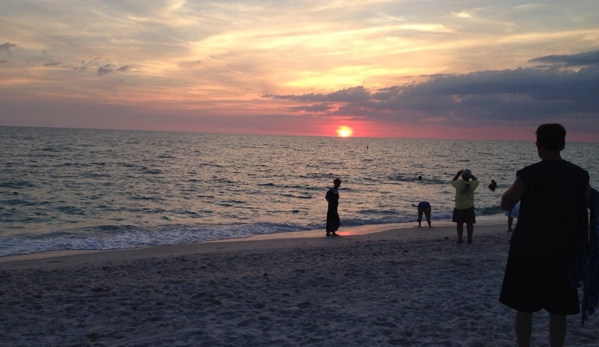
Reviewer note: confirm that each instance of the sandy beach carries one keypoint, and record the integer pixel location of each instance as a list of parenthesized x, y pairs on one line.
[(400, 287)]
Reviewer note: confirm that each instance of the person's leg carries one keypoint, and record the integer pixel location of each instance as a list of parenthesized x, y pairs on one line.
[(427, 213), (330, 221), (523, 328), (563, 300), (557, 329), (337, 224), (419, 216), (510, 220), (470, 228), (460, 229)]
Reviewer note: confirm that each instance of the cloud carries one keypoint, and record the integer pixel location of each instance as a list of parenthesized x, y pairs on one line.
[(462, 14), (322, 107), (5, 47), (353, 94), (523, 94), (581, 59), (107, 69), (85, 64)]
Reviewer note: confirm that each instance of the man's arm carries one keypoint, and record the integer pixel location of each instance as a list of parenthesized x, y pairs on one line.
[(587, 197), (510, 198), (457, 175)]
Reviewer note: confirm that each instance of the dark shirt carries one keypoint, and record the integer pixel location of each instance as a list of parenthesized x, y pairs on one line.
[(553, 213), (424, 205), (333, 199)]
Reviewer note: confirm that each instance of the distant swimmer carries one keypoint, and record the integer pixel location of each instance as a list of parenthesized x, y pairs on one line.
[(492, 185), (424, 207), (333, 220)]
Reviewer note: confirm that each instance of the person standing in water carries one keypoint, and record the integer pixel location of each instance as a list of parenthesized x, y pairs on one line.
[(493, 185), (333, 220)]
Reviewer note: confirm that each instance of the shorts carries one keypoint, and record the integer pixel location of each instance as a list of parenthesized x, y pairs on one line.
[(514, 212), (530, 285), (464, 216)]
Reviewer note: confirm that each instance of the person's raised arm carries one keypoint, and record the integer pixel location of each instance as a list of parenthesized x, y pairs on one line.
[(457, 175), (511, 196)]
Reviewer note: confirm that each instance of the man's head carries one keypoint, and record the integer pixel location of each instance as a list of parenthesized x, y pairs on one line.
[(466, 174), (551, 136), (337, 182)]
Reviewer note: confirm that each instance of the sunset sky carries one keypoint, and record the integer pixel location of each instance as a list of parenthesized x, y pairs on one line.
[(431, 69)]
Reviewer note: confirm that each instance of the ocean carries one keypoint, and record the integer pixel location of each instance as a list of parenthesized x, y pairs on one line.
[(81, 189)]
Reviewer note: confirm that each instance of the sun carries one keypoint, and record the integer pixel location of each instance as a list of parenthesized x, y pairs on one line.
[(344, 131)]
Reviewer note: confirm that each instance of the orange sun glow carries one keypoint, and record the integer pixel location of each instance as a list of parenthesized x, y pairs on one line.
[(345, 131)]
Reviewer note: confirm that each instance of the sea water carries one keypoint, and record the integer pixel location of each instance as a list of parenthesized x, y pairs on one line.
[(77, 189)]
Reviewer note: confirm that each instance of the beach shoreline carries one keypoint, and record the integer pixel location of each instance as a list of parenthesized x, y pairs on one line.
[(404, 231), (402, 286)]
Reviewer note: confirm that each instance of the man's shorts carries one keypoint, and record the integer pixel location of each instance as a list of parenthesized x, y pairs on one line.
[(464, 216), (530, 285)]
